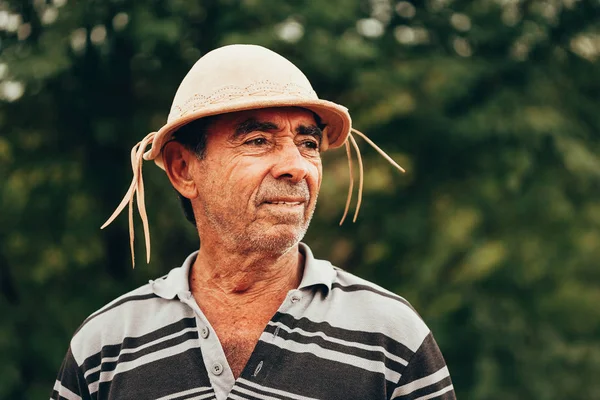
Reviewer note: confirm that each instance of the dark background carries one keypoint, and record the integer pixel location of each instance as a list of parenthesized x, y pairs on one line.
[(492, 106)]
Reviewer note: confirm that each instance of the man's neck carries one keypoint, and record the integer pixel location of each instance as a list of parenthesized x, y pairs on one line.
[(243, 278), (240, 293)]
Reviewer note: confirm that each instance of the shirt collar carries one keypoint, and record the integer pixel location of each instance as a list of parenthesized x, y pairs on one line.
[(176, 281), (316, 272)]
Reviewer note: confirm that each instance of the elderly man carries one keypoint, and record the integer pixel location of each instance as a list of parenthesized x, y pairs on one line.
[(252, 314)]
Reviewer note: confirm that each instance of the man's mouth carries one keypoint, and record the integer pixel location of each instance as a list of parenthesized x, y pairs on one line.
[(286, 202)]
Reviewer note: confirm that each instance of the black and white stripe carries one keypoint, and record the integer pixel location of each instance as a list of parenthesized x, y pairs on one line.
[(428, 376), (340, 346), (248, 390), (199, 393), (60, 392), (133, 352), (435, 384)]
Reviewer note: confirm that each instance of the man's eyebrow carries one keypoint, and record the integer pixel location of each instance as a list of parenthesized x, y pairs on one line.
[(251, 125), (311, 130)]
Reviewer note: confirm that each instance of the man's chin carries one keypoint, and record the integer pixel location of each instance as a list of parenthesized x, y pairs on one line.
[(278, 238), (271, 214)]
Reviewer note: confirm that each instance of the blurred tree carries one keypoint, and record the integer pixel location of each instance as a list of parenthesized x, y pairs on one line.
[(493, 234)]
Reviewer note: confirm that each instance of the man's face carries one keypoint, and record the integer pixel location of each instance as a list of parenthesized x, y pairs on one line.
[(259, 181)]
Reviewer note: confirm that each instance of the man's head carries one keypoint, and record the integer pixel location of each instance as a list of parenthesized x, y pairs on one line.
[(276, 194), (254, 184)]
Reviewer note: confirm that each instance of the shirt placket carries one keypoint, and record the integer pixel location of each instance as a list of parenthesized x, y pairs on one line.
[(213, 356), (264, 358)]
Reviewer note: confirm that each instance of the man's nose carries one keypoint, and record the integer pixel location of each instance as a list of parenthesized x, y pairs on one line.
[(290, 164)]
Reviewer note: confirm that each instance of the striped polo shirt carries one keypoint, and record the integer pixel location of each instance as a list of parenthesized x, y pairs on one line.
[(335, 337)]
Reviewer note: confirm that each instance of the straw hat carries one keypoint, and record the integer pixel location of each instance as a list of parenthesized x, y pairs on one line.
[(244, 77), (235, 78)]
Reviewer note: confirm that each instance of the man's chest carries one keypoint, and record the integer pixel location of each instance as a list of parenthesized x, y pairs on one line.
[(271, 352), (238, 340), (287, 356), (238, 328)]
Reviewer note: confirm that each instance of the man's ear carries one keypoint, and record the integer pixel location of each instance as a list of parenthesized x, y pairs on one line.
[(178, 162)]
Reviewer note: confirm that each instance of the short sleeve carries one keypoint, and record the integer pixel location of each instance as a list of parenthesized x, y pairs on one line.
[(426, 376), (70, 383)]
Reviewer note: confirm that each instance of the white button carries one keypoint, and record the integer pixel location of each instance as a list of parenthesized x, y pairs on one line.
[(258, 368), (296, 298), (217, 369), (204, 332)]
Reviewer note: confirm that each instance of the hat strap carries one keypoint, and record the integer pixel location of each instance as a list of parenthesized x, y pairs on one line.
[(383, 153), (347, 143), (137, 186)]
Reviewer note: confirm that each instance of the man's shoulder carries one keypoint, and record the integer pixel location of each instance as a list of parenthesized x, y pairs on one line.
[(349, 283), (121, 305), (134, 314), (370, 305)]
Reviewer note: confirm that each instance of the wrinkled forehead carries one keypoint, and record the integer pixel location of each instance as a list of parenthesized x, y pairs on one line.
[(279, 116)]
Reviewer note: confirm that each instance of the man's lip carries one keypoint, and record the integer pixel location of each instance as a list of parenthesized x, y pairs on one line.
[(290, 201)]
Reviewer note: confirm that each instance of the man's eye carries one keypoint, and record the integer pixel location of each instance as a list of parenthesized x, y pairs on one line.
[(310, 144), (256, 142)]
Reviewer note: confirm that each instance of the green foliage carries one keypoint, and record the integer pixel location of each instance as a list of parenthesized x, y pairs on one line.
[(492, 106)]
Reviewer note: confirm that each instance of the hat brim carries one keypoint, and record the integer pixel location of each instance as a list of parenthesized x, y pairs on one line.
[(335, 116)]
